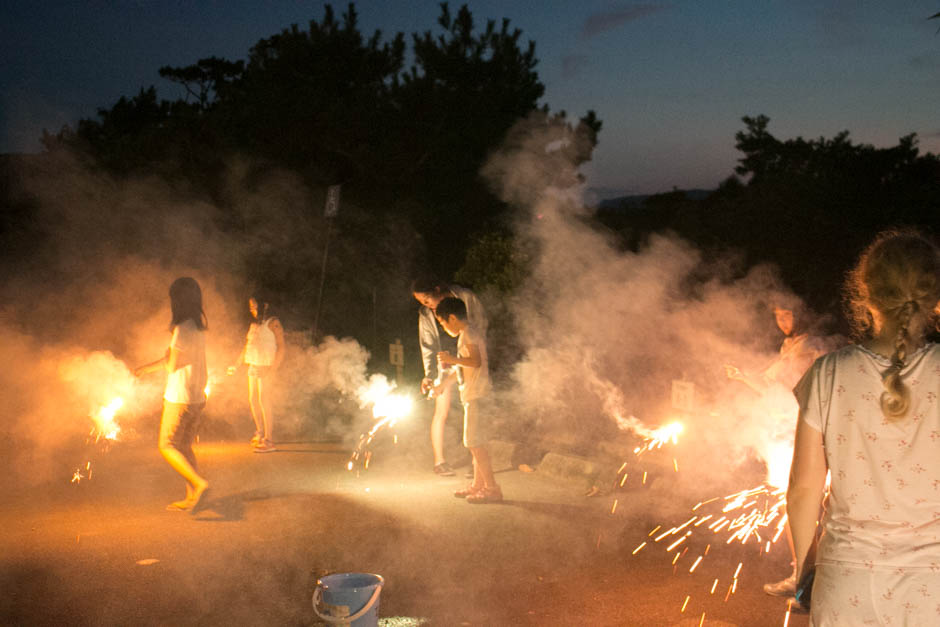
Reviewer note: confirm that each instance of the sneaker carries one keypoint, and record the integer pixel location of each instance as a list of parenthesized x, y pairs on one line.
[(486, 495), (265, 446), (444, 470), (783, 588), (466, 492)]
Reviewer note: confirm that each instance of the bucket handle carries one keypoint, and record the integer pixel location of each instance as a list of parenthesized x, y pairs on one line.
[(345, 619)]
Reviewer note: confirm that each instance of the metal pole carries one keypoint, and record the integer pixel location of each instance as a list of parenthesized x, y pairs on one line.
[(326, 252)]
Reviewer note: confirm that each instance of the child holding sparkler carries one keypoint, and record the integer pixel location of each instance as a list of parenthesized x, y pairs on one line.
[(870, 417), (471, 360), (184, 396), (797, 353), (263, 353), (429, 292)]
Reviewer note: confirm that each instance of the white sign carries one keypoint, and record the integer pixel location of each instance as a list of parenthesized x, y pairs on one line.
[(396, 353), (332, 201)]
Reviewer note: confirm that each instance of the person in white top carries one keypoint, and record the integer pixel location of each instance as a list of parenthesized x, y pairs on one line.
[(429, 292), (797, 353), (472, 372), (263, 353), (184, 396), (870, 418)]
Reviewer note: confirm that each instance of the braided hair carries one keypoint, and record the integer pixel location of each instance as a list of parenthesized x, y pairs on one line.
[(896, 279)]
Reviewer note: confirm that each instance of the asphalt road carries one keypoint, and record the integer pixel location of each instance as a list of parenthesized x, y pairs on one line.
[(105, 552)]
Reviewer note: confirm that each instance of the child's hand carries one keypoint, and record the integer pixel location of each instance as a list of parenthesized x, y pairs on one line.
[(446, 359)]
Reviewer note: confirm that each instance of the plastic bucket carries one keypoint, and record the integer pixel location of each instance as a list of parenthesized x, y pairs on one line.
[(348, 599)]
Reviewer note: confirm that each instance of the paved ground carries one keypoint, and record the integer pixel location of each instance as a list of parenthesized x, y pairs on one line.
[(104, 551)]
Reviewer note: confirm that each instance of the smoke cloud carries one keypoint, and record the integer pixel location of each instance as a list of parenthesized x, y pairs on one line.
[(605, 331), (89, 301)]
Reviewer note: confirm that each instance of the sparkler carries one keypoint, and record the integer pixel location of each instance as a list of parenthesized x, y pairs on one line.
[(755, 516)]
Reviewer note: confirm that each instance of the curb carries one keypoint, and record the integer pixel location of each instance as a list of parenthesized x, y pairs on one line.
[(570, 467)]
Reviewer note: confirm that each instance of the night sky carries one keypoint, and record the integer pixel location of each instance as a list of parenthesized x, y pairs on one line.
[(669, 80)]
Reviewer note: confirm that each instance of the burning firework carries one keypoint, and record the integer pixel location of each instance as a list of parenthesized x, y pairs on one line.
[(105, 425), (387, 409), (105, 429)]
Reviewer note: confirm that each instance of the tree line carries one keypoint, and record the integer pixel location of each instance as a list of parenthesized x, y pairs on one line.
[(405, 125)]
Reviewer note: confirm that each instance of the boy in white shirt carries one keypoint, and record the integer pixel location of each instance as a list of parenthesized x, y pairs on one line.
[(472, 363)]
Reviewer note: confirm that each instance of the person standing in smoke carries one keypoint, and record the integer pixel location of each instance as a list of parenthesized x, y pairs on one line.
[(263, 353), (184, 396), (797, 353), (429, 292), (870, 419), (472, 370)]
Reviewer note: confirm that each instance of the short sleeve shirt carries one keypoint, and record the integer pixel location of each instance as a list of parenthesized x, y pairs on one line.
[(884, 502), (187, 384), (476, 381)]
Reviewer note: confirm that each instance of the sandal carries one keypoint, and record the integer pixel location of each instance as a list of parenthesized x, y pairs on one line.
[(486, 495), (265, 446), (466, 492), (444, 470)]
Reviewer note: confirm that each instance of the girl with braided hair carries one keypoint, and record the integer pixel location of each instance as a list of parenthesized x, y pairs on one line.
[(870, 418)]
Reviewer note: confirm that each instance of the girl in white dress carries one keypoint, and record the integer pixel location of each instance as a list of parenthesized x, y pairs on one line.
[(870, 417)]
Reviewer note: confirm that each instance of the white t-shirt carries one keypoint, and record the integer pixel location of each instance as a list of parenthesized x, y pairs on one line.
[(884, 504), (260, 344), (476, 381), (187, 384)]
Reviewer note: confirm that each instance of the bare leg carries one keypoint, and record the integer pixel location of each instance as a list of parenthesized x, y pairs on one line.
[(183, 463), (267, 418), (482, 468), (441, 407), (254, 401), (789, 535)]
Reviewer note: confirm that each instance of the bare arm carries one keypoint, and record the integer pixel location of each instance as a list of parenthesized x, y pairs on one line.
[(473, 360), (167, 363), (278, 330), (806, 489)]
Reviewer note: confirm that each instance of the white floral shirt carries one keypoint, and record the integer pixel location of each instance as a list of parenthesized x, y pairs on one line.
[(884, 502)]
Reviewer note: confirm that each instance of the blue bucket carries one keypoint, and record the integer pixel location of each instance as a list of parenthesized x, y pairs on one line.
[(348, 599)]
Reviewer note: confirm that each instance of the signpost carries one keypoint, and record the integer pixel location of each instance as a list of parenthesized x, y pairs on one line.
[(396, 356), (329, 212)]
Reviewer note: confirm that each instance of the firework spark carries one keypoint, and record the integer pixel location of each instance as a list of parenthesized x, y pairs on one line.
[(387, 409)]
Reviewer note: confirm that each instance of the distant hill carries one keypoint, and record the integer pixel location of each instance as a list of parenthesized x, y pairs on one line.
[(629, 202)]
